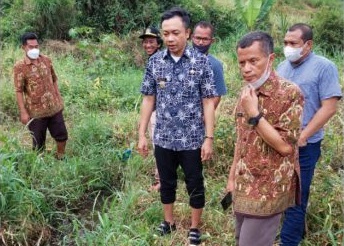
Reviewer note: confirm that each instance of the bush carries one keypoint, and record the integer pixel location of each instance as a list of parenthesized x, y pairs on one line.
[(48, 18), (328, 29)]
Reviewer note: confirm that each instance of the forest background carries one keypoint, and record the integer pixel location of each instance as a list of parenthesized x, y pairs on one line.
[(99, 194)]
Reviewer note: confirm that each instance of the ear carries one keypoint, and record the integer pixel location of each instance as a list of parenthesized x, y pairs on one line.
[(188, 33), (272, 58)]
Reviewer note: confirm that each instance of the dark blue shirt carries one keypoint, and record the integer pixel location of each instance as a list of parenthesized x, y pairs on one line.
[(218, 75), (179, 88)]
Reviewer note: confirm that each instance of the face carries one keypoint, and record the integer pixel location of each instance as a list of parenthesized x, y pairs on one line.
[(30, 44), (293, 39), (150, 45), (202, 36), (253, 62), (175, 35)]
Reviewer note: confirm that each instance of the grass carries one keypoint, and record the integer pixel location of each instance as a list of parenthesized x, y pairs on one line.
[(99, 194)]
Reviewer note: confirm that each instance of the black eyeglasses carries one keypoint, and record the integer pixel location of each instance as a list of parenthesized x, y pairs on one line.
[(199, 39)]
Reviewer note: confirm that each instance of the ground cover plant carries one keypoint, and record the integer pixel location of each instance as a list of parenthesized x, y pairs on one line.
[(99, 194)]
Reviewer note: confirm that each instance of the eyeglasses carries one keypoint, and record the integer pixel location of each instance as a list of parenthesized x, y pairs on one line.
[(199, 39)]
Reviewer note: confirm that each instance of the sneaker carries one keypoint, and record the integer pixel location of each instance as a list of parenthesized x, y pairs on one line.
[(194, 236), (166, 228)]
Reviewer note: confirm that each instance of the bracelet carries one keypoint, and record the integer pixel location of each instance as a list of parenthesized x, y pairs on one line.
[(212, 138)]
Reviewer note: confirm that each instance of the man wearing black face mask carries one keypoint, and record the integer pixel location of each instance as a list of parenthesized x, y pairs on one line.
[(202, 38)]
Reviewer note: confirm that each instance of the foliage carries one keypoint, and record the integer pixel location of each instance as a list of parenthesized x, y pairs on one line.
[(253, 11), (328, 29), (48, 18), (99, 194)]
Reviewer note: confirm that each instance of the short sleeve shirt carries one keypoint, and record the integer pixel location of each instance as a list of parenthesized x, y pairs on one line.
[(179, 88), (318, 79), (266, 182), (36, 82), (217, 67)]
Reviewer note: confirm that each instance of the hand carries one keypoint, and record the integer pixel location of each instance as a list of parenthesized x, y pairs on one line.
[(230, 185), (302, 142), (249, 101), (207, 149), (24, 117), (143, 146)]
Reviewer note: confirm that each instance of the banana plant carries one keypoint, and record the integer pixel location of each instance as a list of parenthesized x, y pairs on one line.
[(253, 11)]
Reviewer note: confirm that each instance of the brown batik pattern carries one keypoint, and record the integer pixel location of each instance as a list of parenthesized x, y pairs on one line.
[(36, 82), (266, 182)]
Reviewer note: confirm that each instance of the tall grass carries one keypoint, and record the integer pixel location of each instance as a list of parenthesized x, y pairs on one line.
[(99, 194)]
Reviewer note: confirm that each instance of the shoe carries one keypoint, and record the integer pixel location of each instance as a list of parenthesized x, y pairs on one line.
[(194, 236), (166, 228)]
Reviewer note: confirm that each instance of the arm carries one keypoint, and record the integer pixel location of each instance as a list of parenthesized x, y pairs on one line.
[(207, 147), (322, 116), (18, 85), (147, 108), (266, 131), (231, 177), (216, 101), (24, 115)]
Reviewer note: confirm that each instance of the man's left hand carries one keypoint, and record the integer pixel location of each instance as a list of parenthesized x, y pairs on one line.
[(207, 149)]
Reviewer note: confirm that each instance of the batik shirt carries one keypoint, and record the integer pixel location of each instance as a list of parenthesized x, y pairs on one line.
[(179, 88), (36, 82), (266, 182)]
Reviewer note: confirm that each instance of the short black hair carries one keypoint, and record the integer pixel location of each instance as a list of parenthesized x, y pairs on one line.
[(265, 40), (28, 36), (177, 11), (307, 33), (206, 24)]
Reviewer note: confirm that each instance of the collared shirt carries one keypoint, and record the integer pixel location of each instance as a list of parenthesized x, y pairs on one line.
[(318, 79), (179, 88), (36, 82), (266, 182), (217, 67)]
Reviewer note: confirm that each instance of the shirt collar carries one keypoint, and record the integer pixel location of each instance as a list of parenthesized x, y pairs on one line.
[(294, 65), (270, 85), (186, 53), (28, 61)]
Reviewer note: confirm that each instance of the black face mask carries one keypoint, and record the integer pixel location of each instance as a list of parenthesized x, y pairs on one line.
[(203, 49)]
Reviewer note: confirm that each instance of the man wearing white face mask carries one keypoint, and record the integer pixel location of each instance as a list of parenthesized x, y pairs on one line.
[(264, 174), (38, 97), (319, 82)]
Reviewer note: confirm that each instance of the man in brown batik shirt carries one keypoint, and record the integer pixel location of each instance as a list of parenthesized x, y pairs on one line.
[(264, 176), (38, 96)]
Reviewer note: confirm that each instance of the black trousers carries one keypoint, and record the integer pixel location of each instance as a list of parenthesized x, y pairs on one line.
[(190, 161)]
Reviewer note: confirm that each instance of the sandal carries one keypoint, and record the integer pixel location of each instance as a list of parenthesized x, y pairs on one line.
[(166, 228)]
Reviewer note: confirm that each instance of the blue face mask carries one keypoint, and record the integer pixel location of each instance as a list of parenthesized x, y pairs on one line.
[(202, 48)]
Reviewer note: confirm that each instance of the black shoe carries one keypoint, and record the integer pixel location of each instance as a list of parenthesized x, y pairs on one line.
[(166, 228), (194, 236)]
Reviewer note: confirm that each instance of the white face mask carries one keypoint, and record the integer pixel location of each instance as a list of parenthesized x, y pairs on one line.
[(33, 53), (259, 82), (292, 54)]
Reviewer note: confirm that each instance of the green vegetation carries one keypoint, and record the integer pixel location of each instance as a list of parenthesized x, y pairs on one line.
[(99, 194)]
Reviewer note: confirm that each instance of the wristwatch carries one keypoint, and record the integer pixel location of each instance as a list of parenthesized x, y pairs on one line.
[(253, 121)]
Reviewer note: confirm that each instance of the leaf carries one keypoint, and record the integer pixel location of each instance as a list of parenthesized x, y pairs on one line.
[(251, 12), (265, 9)]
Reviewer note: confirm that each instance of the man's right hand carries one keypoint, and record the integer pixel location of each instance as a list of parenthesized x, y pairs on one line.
[(24, 117), (143, 146)]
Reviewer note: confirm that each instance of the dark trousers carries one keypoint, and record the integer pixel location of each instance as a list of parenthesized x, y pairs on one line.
[(294, 217), (190, 161), (56, 126)]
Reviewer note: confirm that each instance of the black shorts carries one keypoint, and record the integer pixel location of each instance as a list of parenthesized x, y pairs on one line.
[(190, 161), (56, 126)]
